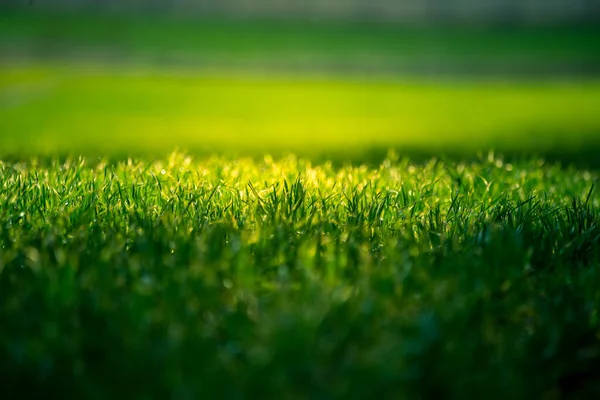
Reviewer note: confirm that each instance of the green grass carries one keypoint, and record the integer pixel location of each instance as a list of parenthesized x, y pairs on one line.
[(334, 272), (237, 278), (65, 109)]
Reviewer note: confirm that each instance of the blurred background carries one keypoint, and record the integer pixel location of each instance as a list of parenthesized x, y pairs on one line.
[(344, 79), (470, 11)]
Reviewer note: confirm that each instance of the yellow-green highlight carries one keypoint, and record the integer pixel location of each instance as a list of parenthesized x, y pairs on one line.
[(74, 110)]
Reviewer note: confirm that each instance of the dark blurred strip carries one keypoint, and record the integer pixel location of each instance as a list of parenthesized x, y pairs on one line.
[(301, 45)]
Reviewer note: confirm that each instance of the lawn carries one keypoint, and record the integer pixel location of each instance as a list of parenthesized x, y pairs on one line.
[(244, 218), (239, 278)]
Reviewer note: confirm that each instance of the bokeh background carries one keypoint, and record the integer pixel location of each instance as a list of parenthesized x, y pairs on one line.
[(335, 79), (469, 11)]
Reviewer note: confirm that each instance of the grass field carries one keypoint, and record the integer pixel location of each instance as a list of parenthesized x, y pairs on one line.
[(240, 278), (230, 224)]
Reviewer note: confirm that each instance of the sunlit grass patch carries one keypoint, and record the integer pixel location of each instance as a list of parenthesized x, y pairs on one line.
[(205, 276)]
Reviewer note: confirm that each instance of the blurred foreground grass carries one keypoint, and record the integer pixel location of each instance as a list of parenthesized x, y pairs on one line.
[(66, 109)]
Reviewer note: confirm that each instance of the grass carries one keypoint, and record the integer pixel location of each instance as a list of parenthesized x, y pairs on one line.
[(241, 278), (64, 109), (334, 272)]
